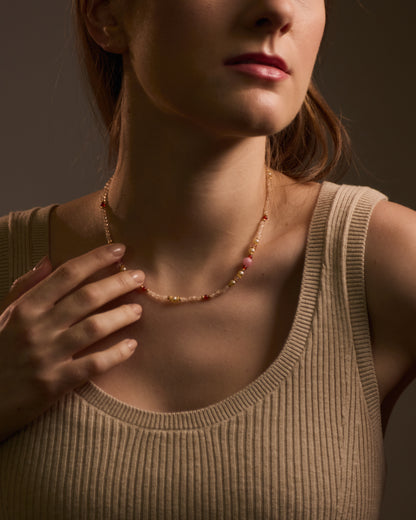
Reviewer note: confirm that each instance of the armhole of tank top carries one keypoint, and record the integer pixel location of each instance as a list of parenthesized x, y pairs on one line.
[(358, 222)]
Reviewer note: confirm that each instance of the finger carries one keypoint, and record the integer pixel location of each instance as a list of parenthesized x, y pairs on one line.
[(94, 328), (25, 282), (92, 296), (70, 274), (79, 371)]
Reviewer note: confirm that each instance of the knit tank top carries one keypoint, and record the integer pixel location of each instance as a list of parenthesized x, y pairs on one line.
[(303, 441)]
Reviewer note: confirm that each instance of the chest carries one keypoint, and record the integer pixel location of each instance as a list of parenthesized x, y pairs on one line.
[(191, 356)]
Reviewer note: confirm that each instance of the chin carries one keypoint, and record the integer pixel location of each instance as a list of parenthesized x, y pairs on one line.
[(253, 117), (266, 113), (256, 118), (249, 125)]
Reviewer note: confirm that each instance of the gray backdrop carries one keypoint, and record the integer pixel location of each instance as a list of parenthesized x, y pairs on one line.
[(51, 150)]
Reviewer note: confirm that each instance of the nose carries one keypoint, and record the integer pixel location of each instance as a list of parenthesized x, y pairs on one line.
[(270, 16)]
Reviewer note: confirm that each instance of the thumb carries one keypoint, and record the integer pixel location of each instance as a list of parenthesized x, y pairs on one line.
[(27, 281)]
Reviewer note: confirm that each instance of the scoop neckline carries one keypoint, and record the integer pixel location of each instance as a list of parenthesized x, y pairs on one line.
[(269, 379)]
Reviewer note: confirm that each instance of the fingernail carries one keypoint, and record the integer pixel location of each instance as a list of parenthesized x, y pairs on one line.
[(138, 276), (40, 264), (118, 249), (137, 308), (132, 344)]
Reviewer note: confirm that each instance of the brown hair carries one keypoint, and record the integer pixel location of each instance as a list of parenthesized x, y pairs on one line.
[(314, 146)]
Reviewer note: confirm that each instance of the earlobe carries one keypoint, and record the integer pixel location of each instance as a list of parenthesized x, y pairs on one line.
[(103, 27), (114, 39)]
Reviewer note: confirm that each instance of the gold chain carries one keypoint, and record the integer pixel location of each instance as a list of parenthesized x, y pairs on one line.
[(247, 261)]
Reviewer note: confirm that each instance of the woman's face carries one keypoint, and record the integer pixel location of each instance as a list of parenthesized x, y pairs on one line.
[(177, 49)]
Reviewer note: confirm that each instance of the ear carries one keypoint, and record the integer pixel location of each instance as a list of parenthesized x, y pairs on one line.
[(103, 22)]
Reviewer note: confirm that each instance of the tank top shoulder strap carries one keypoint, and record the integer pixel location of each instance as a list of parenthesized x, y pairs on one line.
[(24, 240), (347, 229)]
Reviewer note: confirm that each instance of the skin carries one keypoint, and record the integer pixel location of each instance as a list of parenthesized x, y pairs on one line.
[(190, 175)]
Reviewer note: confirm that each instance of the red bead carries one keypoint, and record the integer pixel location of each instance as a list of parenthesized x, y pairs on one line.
[(244, 268), (247, 262), (206, 297), (103, 204), (265, 217), (143, 288)]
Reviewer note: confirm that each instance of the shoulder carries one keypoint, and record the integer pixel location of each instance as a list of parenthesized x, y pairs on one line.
[(74, 228), (390, 276)]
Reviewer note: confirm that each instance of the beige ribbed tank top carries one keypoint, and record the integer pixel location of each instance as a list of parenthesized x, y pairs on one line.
[(303, 441)]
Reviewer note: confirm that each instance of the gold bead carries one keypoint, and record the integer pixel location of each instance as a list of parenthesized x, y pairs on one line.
[(240, 273), (252, 250), (232, 283), (122, 267), (174, 299)]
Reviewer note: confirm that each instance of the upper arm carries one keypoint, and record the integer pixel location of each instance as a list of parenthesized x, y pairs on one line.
[(390, 274)]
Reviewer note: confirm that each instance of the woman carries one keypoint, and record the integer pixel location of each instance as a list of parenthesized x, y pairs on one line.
[(218, 360)]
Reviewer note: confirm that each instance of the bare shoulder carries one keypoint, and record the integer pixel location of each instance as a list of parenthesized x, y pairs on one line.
[(390, 278)]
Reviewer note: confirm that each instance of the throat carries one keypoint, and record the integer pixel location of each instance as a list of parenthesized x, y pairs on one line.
[(230, 247)]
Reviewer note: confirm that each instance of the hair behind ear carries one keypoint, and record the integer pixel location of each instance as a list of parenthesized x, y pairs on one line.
[(102, 73)]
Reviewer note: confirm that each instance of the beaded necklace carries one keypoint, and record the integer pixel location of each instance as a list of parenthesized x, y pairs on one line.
[(247, 261)]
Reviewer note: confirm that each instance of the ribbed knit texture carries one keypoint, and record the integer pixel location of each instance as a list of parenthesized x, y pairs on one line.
[(303, 441)]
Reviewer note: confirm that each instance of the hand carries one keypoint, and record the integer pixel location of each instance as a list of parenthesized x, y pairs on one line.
[(46, 319)]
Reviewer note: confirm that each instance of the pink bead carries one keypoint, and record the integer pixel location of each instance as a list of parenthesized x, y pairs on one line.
[(247, 261)]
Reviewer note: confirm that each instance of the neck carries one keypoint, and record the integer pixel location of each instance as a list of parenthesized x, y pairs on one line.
[(185, 204)]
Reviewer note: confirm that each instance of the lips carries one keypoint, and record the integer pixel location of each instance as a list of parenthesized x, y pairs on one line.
[(260, 58)]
